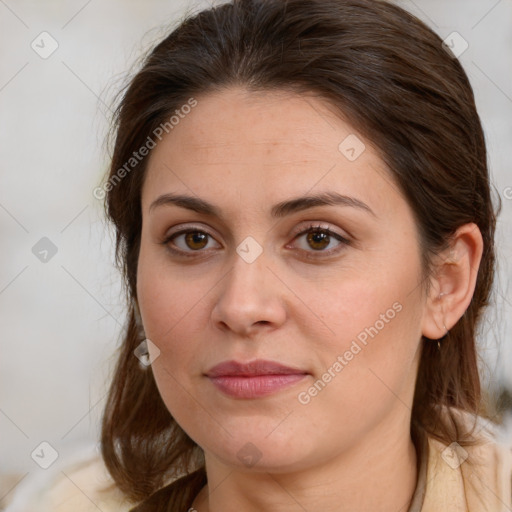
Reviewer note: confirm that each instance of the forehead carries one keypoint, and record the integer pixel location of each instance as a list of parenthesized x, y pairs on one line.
[(263, 123), (260, 146)]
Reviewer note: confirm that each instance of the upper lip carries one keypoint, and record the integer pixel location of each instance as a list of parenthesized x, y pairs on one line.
[(251, 369)]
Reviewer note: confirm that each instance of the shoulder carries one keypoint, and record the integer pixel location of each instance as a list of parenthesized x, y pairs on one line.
[(478, 475), (82, 485)]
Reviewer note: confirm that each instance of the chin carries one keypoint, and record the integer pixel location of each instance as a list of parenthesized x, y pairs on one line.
[(254, 450)]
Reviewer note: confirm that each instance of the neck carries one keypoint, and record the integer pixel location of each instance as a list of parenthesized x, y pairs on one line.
[(378, 474)]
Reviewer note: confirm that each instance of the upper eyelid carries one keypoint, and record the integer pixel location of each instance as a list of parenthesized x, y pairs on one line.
[(180, 230), (298, 231), (310, 225), (304, 226)]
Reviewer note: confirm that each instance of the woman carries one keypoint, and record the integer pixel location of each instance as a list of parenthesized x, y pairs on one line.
[(305, 227)]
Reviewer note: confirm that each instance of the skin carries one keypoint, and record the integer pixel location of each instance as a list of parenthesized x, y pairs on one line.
[(349, 447)]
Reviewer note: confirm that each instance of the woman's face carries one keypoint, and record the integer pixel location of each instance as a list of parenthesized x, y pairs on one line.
[(332, 291)]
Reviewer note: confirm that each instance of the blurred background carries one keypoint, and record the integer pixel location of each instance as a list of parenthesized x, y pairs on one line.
[(61, 301)]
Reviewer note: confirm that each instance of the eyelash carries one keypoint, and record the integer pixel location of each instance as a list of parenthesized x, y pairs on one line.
[(310, 228)]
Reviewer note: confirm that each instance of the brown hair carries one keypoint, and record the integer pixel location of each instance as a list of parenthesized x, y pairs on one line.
[(385, 72)]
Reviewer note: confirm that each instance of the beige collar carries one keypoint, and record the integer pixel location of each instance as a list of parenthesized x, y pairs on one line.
[(470, 479)]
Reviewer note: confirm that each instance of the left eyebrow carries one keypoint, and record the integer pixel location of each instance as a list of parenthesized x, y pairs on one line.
[(278, 210), (323, 199)]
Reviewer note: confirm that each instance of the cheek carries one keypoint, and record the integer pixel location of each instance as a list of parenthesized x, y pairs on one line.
[(167, 299), (170, 321), (375, 305), (367, 369), (372, 326), (166, 317)]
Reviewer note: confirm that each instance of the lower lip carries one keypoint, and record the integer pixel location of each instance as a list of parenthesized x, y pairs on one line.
[(255, 387)]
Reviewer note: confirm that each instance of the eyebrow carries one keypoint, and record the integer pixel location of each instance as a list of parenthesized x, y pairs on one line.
[(281, 209)]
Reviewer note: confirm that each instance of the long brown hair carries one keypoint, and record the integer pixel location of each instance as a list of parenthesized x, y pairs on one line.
[(389, 75)]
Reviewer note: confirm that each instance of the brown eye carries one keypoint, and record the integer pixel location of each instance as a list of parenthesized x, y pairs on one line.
[(196, 240), (188, 241), (318, 239)]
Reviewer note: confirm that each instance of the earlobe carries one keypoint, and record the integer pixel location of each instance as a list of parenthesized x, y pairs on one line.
[(138, 318), (454, 282), (136, 311), (434, 320)]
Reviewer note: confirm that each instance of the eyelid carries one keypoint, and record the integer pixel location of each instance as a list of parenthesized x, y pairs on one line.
[(310, 225), (297, 231), (301, 229), (180, 228)]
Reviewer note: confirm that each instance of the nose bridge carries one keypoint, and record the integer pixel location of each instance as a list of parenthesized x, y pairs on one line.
[(247, 276), (248, 293)]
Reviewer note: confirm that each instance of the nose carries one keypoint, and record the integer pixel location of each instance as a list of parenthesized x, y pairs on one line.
[(250, 298)]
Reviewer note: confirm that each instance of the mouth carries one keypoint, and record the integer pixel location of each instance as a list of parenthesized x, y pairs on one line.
[(254, 379)]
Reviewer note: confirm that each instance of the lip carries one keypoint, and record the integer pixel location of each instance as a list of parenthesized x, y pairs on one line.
[(253, 379), (251, 369)]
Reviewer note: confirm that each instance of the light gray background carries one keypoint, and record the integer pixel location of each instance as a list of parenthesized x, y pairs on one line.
[(61, 320)]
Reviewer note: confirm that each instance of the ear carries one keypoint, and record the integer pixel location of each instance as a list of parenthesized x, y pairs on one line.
[(453, 282)]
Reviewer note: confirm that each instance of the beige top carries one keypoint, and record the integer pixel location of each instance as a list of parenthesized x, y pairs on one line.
[(471, 479)]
